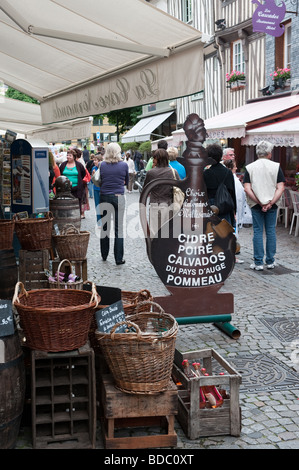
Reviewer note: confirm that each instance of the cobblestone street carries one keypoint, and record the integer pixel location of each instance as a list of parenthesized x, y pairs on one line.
[(266, 314)]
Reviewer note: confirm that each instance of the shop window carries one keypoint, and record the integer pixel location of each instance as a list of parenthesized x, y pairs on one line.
[(238, 62), (283, 47), (187, 14), (287, 45)]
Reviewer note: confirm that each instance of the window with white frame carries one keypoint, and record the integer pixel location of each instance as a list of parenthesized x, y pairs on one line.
[(238, 57), (187, 11), (287, 45)]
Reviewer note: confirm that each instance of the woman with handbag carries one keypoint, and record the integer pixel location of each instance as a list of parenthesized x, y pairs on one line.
[(114, 176), (75, 172), (161, 197)]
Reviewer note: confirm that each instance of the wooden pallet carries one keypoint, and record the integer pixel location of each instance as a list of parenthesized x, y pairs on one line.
[(134, 413)]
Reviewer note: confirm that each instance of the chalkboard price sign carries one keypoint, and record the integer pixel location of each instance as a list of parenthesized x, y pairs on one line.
[(6, 318), (109, 316)]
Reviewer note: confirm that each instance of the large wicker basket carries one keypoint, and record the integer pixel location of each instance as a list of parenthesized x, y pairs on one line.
[(55, 320), (141, 362), (6, 233), (71, 244), (65, 285), (34, 234)]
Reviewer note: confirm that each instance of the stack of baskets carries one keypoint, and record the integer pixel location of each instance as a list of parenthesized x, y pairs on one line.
[(131, 300), (141, 361), (55, 323), (6, 234), (34, 234), (72, 244)]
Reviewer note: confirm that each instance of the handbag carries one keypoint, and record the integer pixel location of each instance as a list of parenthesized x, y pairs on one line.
[(223, 199), (178, 195), (96, 178), (87, 177)]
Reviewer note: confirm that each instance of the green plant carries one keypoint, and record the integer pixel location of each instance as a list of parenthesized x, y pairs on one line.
[(145, 147), (235, 76), (130, 145)]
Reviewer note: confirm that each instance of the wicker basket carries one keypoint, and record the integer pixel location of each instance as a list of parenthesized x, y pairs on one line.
[(57, 320), (141, 362), (6, 233), (71, 244), (131, 299), (34, 234), (65, 285)]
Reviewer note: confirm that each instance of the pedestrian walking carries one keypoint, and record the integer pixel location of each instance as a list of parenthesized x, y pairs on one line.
[(132, 171), (214, 176), (114, 177), (75, 172), (96, 189), (161, 197), (173, 155)]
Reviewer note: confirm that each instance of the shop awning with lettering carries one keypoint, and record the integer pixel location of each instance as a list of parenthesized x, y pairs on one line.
[(25, 119), (281, 134), (143, 130), (235, 123), (83, 58)]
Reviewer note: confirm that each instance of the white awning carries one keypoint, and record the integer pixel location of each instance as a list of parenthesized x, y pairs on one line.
[(281, 134), (25, 118), (233, 124), (82, 58), (67, 130), (143, 129), (19, 116)]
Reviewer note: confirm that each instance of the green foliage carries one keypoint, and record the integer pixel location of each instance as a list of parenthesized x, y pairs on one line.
[(145, 147), (18, 95), (123, 119), (130, 145)]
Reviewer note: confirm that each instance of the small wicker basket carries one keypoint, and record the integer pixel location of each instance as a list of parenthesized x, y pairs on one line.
[(71, 244), (55, 320), (65, 285), (6, 234), (141, 361), (34, 234)]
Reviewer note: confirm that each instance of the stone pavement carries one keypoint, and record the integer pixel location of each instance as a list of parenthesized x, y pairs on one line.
[(266, 314)]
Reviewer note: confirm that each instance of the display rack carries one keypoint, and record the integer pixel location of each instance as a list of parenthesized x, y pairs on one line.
[(63, 399)]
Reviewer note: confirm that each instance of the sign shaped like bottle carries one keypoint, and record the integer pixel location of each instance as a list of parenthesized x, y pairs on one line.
[(194, 252)]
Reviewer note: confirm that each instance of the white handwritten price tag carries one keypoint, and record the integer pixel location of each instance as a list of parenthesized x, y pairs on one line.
[(6, 318)]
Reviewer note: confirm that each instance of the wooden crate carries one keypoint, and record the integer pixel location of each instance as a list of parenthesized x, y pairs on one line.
[(79, 267), (63, 399), (31, 269), (196, 422), (132, 413)]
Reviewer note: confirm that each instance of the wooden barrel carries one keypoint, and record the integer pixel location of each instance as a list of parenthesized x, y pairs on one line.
[(65, 211), (8, 273), (12, 389)]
